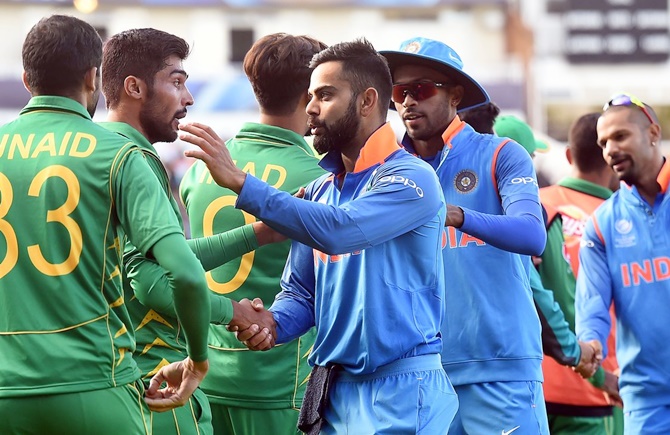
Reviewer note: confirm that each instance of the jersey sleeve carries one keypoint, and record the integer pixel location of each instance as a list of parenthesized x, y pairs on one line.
[(558, 341), (152, 288), (213, 251), (293, 308), (138, 195), (515, 175), (594, 289), (502, 231), (409, 191)]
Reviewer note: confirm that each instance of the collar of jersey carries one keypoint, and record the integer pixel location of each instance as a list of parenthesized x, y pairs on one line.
[(273, 136), (585, 187), (129, 132), (379, 146), (52, 102)]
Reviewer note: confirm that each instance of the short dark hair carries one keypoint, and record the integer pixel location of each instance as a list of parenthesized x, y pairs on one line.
[(587, 156), (138, 52), (362, 66), (481, 118), (277, 66), (57, 53)]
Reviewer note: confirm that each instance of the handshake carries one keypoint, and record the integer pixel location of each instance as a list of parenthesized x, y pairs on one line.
[(253, 325), (592, 356)]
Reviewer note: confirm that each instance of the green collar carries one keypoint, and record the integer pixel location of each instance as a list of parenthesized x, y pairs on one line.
[(129, 132), (273, 136), (586, 187), (52, 102)]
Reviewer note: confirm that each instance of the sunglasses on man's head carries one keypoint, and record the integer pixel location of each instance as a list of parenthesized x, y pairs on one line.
[(419, 91), (628, 100)]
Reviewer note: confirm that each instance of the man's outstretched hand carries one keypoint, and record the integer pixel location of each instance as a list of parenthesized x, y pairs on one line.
[(214, 153)]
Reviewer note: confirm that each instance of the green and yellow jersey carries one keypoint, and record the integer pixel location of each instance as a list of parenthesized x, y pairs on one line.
[(238, 377), (67, 189), (159, 337)]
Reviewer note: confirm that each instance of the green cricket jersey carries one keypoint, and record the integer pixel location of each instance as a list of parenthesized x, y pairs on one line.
[(67, 188), (160, 338), (238, 377)]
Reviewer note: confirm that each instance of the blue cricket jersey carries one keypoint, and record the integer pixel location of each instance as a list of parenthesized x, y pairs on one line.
[(372, 281), (625, 258), (491, 329)]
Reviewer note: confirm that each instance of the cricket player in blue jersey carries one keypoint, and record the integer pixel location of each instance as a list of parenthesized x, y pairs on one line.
[(625, 259), (365, 266), (492, 341)]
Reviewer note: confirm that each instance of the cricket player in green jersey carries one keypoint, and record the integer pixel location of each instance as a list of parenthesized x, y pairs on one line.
[(253, 393), (144, 83), (68, 189)]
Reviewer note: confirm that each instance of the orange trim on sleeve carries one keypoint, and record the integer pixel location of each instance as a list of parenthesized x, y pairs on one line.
[(454, 128), (663, 178), (494, 162), (378, 147), (597, 228)]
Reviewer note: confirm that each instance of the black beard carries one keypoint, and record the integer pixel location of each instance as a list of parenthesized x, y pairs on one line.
[(154, 128), (341, 133)]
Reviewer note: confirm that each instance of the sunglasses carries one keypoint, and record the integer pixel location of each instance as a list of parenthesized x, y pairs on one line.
[(419, 91), (628, 100)]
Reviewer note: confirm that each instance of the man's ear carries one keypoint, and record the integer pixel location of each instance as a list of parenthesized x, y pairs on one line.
[(369, 101), (24, 79), (135, 87), (655, 133), (456, 94), (568, 154), (91, 79)]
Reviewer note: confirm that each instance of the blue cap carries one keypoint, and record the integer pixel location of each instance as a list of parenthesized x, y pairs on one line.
[(442, 58)]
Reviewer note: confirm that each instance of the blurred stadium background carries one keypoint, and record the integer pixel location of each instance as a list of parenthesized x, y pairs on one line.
[(547, 61)]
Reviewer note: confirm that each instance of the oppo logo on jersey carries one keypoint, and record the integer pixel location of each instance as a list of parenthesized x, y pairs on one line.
[(402, 180), (524, 180), (650, 271)]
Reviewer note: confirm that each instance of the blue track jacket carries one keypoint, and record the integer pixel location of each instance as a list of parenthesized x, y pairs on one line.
[(371, 280), (491, 329), (625, 258)]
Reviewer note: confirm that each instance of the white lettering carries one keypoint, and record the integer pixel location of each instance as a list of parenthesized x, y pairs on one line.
[(404, 181)]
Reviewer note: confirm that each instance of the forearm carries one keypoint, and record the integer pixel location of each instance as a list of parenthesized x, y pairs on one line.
[(191, 295), (558, 341), (213, 251), (152, 288), (521, 230), (293, 318)]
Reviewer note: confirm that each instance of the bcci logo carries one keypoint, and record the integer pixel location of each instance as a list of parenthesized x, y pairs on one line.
[(413, 47), (465, 181)]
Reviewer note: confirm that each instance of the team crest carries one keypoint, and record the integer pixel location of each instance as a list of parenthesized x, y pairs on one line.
[(413, 47), (626, 237), (465, 181), (623, 226)]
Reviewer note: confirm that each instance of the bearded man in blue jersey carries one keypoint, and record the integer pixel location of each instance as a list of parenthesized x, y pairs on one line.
[(625, 259), (492, 343), (366, 261)]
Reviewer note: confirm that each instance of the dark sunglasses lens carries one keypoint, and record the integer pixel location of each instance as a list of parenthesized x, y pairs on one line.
[(399, 92), (418, 91)]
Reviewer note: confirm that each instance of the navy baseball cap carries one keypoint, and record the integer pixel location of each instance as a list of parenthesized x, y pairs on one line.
[(440, 57)]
